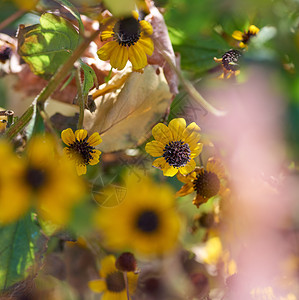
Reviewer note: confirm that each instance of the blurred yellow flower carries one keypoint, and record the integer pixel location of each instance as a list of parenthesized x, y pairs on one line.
[(112, 283), (50, 180), (130, 41), (244, 37), (206, 182), (13, 200), (81, 148), (26, 5), (146, 221), (176, 145)]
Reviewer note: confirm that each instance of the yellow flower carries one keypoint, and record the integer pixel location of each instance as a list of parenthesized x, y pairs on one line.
[(80, 148), (112, 283), (176, 146), (146, 221), (230, 63), (50, 180), (13, 201), (206, 182), (244, 37), (26, 5), (129, 41)]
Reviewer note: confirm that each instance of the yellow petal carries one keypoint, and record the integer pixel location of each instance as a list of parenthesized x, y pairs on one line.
[(186, 179), (137, 57), (132, 281), (119, 57), (238, 35), (98, 286), (94, 140), (106, 34), (253, 29), (191, 134), (107, 266), (177, 127), (146, 27), (162, 133), (196, 151), (190, 166), (159, 163), (68, 136), (185, 190), (95, 157), (215, 166), (80, 134), (104, 52), (81, 169), (147, 45), (154, 148), (169, 171)]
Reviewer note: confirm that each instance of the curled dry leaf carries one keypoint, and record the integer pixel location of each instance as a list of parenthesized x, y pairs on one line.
[(124, 118), (161, 40)]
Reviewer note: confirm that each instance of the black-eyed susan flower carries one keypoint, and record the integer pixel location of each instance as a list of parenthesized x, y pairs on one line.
[(230, 61), (81, 148), (145, 222), (13, 199), (50, 180), (206, 182), (176, 146), (129, 39), (244, 37), (112, 283)]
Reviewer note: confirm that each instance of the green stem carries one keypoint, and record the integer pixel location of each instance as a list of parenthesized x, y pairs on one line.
[(81, 99), (190, 89), (126, 284), (21, 123)]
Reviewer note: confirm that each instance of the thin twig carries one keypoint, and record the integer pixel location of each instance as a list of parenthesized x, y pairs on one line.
[(190, 89), (12, 18), (81, 99)]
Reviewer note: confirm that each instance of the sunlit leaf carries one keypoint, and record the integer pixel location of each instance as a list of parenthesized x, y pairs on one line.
[(47, 46)]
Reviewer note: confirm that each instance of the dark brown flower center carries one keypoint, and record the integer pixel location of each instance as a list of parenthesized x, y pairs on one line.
[(177, 153), (81, 151), (148, 221), (115, 282), (206, 184), (35, 177), (230, 60), (246, 36), (127, 31)]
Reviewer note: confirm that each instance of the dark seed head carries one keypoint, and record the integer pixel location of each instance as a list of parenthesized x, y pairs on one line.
[(230, 60), (127, 31), (115, 282), (126, 262), (5, 53), (177, 153), (82, 151), (148, 221), (35, 177), (206, 184)]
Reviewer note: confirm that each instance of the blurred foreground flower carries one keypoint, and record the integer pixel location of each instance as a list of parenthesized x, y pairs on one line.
[(145, 221), (206, 182), (177, 145), (51, 180), (130, 41), (13, 201), (112, 282), (80, 148), (244, 37), (230, 63)]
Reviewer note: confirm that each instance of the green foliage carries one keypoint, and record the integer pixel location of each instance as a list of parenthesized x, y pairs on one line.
[(90, 78), (47, 46), (21, 243)]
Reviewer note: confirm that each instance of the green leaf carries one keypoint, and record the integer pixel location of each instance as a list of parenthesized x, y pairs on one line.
[(73, 10), (47, 46), (90, 78), (20, 249)]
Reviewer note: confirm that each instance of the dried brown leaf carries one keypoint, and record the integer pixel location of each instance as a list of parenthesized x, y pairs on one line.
[(124, 117)]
